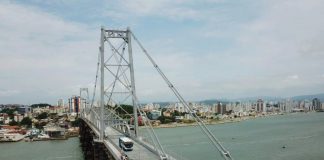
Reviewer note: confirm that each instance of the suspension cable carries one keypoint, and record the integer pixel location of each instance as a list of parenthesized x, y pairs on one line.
[(151, 128), (95, 84), (226, 155)]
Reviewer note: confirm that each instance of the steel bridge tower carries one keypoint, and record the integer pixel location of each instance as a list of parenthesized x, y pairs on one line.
[(117, 87), (118, 67)]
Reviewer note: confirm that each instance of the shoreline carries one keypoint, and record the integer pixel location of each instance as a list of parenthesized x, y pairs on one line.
[(175, 125), (224, 121), (234, 120)]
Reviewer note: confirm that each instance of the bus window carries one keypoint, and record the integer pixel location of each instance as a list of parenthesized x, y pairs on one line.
[(126, 144)]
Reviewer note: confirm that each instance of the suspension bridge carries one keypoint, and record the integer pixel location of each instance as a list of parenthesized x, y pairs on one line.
[(102, 126)]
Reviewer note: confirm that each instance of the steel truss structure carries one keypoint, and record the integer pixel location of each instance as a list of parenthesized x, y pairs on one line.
[(117, 86)]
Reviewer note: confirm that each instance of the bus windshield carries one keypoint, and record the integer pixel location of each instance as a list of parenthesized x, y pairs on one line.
[(125, 143)]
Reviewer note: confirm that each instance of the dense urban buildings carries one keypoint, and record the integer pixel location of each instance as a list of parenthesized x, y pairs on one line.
[(155, 111), (222, 110)]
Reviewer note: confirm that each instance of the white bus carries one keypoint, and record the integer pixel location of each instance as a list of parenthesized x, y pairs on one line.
[(126, 144)]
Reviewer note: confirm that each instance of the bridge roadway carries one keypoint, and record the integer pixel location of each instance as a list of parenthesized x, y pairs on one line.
[(111, 141)]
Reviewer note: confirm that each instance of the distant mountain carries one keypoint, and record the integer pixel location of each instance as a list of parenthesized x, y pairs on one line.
[(251, 99), (309, 97), (267, 98)]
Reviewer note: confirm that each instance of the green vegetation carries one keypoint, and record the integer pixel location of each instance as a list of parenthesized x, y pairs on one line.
[(52, 116), (163, 110), (43, 115), (76, 122), (123, 108), (168, 120), (175, 113), (9, 111), (26, 122), (13, 123), (188, 121), (165, 120), (41, 105), (40, 125)]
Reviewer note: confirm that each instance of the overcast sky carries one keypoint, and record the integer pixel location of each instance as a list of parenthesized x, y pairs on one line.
[(209, 48)]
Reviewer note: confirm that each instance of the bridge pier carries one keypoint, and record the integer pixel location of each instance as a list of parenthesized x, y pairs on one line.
[(100, 152), (92, 150)]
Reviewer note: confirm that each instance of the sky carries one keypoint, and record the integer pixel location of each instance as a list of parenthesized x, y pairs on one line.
[(209, 49)]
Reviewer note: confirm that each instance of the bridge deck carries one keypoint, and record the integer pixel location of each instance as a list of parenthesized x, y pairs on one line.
[(139, 152), (111, 141)]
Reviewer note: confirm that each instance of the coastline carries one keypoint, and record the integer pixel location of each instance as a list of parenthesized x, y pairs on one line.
[(213, 122)]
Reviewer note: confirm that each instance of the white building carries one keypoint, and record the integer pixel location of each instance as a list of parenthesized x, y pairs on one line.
[(151, 106), (18, 117), (179, 107)]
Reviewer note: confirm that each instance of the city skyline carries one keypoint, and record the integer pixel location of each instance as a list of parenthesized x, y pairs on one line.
[(212, 49)]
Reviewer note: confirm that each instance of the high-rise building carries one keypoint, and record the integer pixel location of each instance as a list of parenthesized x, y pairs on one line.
[(74, 104), (289, 105), (221, 108), (260, 106), (316, 103), (214, 108), (60, 103), (308, 105)]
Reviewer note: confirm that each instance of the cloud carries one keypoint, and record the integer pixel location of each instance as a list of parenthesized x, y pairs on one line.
[(169, 9), (42, 52), (293, 77), (208, 49)]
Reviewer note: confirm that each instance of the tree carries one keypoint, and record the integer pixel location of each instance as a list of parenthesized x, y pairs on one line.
[(161, 119), (163, 110), (164, 120), (40, 125), (123, 108), (9, 111), (175, 113), (76, 122), (43, 115), (26, 121), (167, 121), (13, 123), (41, 105), (53, 116)]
